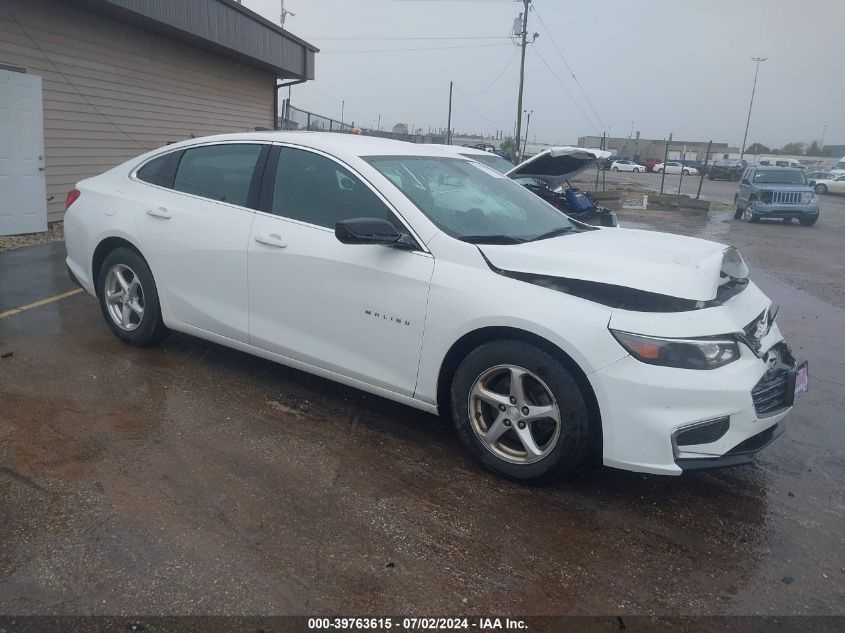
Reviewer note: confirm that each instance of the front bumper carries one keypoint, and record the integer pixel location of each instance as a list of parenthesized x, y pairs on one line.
[(643, 408), (765, 210)]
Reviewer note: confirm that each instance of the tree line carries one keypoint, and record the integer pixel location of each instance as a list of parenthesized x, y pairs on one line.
[(790, 149)]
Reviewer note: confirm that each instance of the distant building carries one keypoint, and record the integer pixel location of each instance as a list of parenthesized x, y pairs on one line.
[(643, 149), (400, 128)]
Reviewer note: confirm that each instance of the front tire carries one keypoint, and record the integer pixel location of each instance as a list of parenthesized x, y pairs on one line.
[(521, 412), (614, 169), (750, 216), (129, 298), (809, 221), (820, 188), (686, 172)]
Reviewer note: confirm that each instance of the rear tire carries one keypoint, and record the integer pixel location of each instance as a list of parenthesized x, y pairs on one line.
[(614, 169), (494, 387), (129, 298)]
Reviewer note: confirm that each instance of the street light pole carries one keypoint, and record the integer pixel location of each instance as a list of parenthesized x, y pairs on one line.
[(757, 60), (821, 144)]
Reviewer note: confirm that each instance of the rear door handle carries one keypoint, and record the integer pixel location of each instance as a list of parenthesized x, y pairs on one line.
[(271, 240), (159, 212)]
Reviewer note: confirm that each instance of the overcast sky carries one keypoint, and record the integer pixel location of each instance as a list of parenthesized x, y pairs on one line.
[(658, 65)]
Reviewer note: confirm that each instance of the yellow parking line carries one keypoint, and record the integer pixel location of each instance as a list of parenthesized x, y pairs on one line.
[(38, 304)]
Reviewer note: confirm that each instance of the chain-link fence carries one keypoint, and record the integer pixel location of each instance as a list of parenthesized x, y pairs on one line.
[(296, 119)]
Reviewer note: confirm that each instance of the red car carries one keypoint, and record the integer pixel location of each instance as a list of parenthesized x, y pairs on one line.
[(650, 163)]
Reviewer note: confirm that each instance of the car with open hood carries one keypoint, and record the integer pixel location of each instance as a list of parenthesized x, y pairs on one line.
[(435, 281), (544, 174)]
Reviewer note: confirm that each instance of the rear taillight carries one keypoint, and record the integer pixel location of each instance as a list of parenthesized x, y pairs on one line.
[(72, 196)]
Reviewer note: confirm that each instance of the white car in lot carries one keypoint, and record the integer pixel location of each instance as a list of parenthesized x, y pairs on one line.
[(627, 165), (432, 280), (828, 183), (675, 168)]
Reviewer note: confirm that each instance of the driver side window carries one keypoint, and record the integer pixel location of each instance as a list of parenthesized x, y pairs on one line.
[(315, 189)]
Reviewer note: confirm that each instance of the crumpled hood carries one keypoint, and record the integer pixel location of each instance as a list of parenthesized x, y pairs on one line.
[(673, 265)]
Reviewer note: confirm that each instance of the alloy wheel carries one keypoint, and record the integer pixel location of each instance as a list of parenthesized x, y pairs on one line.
[(124, 297), (514, 414)]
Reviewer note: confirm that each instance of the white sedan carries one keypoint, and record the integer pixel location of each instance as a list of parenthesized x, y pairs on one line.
[(627, 165), (828, 183), (433, 280), (675, 168)]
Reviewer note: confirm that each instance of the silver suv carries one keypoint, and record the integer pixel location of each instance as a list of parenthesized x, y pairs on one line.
[(776, 192)]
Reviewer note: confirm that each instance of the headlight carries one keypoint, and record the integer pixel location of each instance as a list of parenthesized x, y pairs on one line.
[(808, 197), (698, 353)]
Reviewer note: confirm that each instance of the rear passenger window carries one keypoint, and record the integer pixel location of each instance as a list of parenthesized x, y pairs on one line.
[(317, 190), (218, 172), (153, 171)]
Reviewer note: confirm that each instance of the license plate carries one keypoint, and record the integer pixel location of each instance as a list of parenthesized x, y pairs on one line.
[(802, 379)]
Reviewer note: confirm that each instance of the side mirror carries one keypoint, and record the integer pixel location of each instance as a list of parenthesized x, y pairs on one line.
[(371, 231)]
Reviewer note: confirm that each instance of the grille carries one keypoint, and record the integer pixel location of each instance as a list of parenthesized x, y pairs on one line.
[(770, 393), (786, 197)]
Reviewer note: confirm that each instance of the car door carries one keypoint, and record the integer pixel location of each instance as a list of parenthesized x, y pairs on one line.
[(744, 190), (194, 219), (355, 310), (837, 186)]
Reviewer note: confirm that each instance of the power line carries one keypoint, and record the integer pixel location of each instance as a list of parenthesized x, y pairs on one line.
[(568, 94), (471, 107), (569, 68), (428, 48), (415, 37), (498, 77)]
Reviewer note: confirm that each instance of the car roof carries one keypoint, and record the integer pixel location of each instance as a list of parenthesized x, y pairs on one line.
[(331, 142), (460, 149)]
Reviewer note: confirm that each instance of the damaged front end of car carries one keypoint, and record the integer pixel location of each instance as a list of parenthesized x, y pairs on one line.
[(707, 378)]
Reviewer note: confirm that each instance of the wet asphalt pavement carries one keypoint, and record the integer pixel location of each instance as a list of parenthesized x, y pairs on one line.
[(191, 479)]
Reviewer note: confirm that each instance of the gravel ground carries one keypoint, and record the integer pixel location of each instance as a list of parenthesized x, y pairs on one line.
[(55, 233)]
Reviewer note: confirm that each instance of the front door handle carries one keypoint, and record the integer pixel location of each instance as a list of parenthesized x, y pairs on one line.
[(159, 212), (271, 240)]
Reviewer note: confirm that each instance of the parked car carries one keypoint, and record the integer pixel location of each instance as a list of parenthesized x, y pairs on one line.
[(627, 165), (546, 341), (545, 174), (697, 165), (823, 175), (776, 192), (650, 163), (830, 183), (727, 169), (675, 168), (780, 162)]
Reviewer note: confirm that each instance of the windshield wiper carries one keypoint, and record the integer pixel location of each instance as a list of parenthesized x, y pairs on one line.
[(491, 239), (561, 231)]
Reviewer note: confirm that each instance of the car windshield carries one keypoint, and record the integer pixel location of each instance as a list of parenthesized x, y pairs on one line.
[(470, 201), (492, 160), (780, 176)]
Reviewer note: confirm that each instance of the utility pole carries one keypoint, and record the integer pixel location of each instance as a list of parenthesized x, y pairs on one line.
[(524, 42), (449, 119), (821, 144), (342, 108), (757, 60)]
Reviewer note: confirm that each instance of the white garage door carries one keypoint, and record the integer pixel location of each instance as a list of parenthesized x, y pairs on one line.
[(23, 193)]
